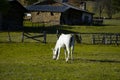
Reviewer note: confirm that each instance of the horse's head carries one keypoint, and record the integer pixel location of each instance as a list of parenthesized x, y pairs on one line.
[(55, 53)]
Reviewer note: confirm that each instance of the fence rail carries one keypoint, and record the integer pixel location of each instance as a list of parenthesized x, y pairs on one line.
[(100, 38), (84, 38)]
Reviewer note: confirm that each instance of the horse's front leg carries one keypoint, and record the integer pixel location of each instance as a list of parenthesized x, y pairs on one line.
[(58, 53)]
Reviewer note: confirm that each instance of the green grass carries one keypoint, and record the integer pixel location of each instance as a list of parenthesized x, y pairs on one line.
[(109, 26), (33, 61)]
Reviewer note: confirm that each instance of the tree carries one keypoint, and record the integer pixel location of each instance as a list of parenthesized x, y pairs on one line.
[(32, 1), (112, 7), (4, 6), (109, 9), (28, 2), (99, 7), (23, 2), (116, 5), (109, 6)]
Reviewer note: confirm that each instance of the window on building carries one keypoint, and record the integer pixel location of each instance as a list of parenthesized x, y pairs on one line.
[(52, 14)]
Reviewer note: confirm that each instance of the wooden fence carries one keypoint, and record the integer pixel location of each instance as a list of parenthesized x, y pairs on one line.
[(98, 21), (36, 37), (99, 38), (84, 38)]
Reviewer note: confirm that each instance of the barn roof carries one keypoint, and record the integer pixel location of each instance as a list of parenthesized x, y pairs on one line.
[(47, 8), (51, 8), (76, 8)]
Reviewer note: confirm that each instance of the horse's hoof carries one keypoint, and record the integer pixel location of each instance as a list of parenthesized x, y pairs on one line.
[(67, 61)]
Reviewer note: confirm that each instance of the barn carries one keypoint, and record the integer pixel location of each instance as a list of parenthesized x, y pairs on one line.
[(59, 13), (0, 21), (13, 19)]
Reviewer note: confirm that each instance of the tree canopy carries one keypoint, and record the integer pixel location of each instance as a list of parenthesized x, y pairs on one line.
[(3, 6)]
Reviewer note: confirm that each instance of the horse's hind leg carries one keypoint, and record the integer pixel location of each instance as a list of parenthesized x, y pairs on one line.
[(65, 52), (72, 48), (71, 56), (68, 51)]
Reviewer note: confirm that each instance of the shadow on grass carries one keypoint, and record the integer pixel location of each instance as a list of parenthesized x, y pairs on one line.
[(36, 29), (40, 29), (95, 60), (49, 29)]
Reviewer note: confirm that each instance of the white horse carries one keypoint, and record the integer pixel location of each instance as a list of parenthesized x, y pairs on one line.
[(67, 42)]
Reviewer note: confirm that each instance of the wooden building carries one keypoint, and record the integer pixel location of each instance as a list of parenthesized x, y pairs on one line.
[(59, 13), (13, 19), (0, 21)]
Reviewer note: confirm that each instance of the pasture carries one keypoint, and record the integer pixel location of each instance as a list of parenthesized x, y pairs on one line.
[(33, 60)]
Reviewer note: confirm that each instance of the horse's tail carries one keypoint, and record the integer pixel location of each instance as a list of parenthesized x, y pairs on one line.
[(78, 38), (72, 40)]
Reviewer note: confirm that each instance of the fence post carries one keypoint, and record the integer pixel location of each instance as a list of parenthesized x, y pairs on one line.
[(93, 39), (80, 38), (44, 36), (57, 33), (23, 36), (104, 40), (110, 38), (9, 37), (116, 41)]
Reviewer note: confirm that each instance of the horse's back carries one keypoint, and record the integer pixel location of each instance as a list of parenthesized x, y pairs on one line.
[(67, 39)]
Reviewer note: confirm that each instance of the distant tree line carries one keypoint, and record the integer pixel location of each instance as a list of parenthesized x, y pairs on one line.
[(110, 7)]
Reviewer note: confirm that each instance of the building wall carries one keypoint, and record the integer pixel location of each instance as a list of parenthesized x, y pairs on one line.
[(71, 17), (87, 18), (46, 17), (13, 19), (0, 21)]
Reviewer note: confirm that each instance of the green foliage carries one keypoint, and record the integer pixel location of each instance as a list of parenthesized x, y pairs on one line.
[(31, 1), (116, 5), (4, 6)]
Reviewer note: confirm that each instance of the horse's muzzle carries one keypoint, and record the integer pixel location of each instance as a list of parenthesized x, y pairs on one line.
[(54, 58)]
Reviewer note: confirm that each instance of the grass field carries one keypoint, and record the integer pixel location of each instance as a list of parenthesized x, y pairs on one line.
[(109, 26), (33, 60)]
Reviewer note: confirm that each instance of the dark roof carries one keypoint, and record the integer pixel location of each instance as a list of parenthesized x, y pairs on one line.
[(11, 0), (47, 8), (51, 8), (76, 8)]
